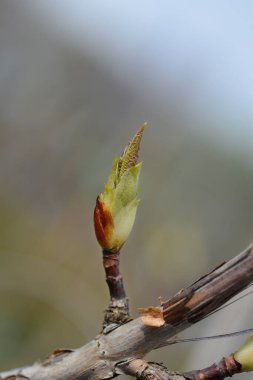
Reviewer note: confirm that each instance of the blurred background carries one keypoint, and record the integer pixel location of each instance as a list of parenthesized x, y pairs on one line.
[(76, 81)]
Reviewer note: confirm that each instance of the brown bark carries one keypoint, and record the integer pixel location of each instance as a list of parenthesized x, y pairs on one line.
[(143, 370), (227, 367), (210, 291), (117, 312)]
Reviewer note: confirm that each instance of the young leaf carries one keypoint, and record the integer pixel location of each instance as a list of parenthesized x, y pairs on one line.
[(115, 210)]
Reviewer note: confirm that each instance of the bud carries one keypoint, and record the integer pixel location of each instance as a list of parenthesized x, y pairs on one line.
[(116, 207), (244, 355)]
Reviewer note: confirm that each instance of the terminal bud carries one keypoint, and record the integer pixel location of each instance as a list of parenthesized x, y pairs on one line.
[(115, 210)]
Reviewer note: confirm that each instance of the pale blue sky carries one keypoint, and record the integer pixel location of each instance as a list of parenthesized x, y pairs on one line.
[(209, 43)]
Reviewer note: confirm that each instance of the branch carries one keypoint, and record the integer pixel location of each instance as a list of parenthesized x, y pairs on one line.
[(143, 370), (104, 356)]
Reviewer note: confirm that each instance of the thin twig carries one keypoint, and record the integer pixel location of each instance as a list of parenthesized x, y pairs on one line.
[(227, 367), (143, 370), (117, 312)]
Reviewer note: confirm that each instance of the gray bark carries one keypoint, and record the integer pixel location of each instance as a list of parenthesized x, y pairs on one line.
[(108, 355)]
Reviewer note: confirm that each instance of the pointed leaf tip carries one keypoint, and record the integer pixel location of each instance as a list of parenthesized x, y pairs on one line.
[(116, 207), (130, 155)]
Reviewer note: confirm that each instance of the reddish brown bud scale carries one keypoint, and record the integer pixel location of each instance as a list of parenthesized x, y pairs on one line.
[(103, 224)]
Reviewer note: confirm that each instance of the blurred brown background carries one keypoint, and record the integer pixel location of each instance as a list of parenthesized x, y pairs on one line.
[(76, 80)]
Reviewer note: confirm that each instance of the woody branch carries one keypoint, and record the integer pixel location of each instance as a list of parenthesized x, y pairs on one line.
[(123, 343), (109, 354)]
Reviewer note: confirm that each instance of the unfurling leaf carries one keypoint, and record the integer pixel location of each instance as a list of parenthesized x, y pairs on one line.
[(131, 153), (115, 209)]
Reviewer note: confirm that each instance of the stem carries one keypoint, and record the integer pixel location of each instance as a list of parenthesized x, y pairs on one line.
[(117, 312), (143, 370), (113, 276), (227, 367)]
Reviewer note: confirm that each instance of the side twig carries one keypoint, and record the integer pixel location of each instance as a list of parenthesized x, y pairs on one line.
[(143, 370)]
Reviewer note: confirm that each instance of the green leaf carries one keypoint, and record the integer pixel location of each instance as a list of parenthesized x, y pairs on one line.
[(131, 153), (116, 207)]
